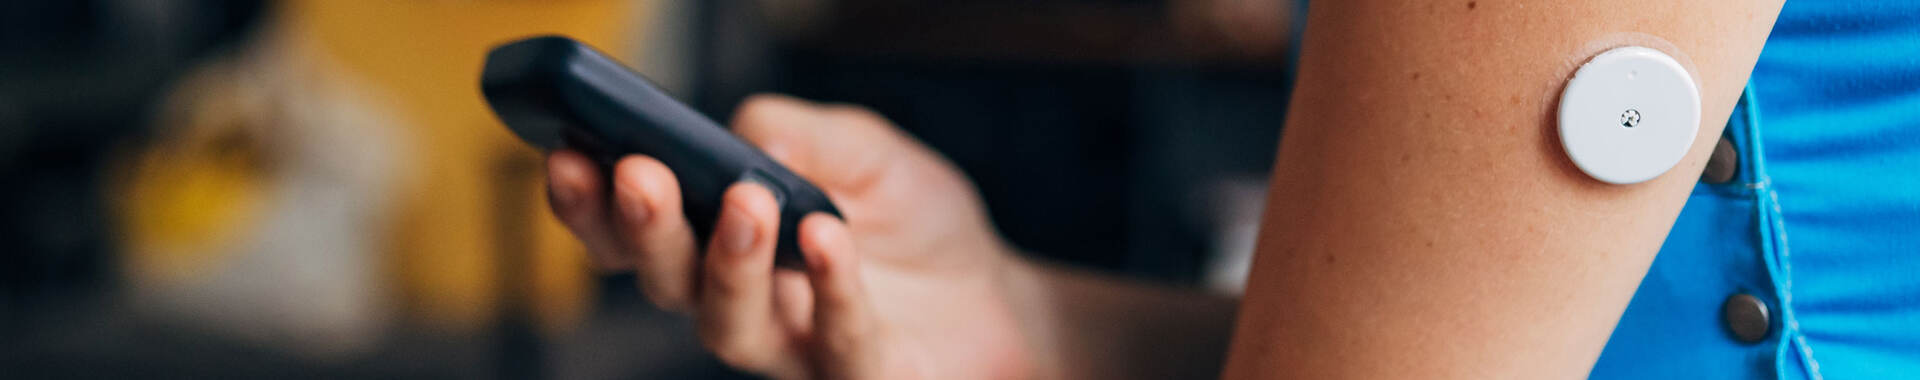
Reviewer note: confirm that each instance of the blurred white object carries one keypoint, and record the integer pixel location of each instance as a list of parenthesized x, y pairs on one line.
[(298, 267)]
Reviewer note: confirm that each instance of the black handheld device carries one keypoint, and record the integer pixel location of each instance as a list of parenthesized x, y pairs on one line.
[(556, 92)]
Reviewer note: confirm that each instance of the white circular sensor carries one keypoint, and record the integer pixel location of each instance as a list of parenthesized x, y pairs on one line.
[(1629, 115)]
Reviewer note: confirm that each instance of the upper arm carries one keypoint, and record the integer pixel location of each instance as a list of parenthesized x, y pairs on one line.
[(1423, 220)]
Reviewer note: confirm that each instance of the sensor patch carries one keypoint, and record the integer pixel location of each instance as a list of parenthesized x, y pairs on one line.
[(1629, 115)]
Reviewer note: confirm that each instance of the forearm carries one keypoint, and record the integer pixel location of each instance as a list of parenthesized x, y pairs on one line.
[(1086, 325)]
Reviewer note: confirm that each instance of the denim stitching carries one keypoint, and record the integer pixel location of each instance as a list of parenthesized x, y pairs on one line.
[(1777, 240)]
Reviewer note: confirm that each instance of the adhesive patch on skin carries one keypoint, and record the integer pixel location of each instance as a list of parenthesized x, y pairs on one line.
[(1629, 115)]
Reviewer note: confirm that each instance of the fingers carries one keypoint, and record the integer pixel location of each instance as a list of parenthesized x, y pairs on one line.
[(642, 228), (736, 303), (651, 224), (840, 299), (853, 344), (575, 191)]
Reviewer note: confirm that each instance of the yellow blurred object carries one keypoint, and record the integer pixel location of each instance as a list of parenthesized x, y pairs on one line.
[(257, 209), (342, 165), (192, 196), (466, 173)]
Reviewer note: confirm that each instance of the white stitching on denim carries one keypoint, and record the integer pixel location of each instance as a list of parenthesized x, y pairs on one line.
[(1791, 322), (1778, 226)]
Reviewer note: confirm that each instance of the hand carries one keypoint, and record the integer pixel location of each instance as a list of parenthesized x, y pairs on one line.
[(926, 296)]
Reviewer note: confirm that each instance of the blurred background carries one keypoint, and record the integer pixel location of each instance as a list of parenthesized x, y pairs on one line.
[(314, 188)]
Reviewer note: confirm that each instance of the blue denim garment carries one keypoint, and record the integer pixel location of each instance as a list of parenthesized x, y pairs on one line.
[(1822, 222)]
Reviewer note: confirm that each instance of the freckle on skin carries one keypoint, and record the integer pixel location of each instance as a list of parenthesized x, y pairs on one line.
[(1416, 75), (1328, 258), (1472, 4)]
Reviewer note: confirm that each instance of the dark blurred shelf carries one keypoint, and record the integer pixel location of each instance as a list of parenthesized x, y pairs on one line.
[(1133, 32)]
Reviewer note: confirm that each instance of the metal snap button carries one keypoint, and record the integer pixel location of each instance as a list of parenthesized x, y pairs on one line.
[(1746, 317), (1723, 165)]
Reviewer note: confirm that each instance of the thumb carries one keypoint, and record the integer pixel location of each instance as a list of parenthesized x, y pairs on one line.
[(834, 145)]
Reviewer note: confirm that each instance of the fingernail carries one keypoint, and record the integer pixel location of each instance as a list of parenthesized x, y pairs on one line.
[(816, 262), (757, 178), (561, 194), (736, 230), (633, 202)]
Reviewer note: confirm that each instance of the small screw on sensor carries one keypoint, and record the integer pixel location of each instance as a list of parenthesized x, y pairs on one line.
[(1630, 118)]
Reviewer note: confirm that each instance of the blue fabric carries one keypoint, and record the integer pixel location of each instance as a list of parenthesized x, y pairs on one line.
[(1822, 223)]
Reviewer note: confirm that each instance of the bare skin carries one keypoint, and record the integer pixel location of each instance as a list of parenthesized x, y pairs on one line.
[(935, 292), (821, 323), (1424, 222)]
